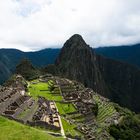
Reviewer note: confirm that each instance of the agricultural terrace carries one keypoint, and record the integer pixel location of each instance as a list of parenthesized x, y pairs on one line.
[(105, 110), (45, 89)]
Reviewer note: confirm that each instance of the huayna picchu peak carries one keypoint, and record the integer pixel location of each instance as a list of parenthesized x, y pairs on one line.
[(72, 99), (113, 79), (77, 61), (76, 41)]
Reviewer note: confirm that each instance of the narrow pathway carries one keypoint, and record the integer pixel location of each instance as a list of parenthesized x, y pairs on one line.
[(62, 129)]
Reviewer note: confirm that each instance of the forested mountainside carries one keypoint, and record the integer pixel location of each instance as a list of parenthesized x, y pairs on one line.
[(9, 58), (129, 54)]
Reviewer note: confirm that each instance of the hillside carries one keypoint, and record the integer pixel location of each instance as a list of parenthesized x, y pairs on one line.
[(9, 58), (129, 54), (115, 80), (13, 130), (83, 114)]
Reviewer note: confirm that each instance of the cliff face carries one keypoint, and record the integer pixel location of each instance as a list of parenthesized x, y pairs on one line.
[(115, 80), (123, 82)]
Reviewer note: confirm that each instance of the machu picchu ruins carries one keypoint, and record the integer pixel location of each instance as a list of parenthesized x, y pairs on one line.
[(51, 102), (17, 105)]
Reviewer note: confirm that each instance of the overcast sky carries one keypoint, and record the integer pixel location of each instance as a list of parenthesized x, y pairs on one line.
[(31, 25)]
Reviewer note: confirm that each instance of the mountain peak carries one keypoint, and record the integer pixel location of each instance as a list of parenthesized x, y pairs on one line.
[(76, 37), (74, 49), (76, 41)]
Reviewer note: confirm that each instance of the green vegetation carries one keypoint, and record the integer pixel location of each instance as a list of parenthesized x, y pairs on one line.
[(105, 110), (37, 88), (11, 130), (24, 113), (70, 129), (43, 89), (128, 128), (123, 111), (13, 80), (65, 108), (27, 70), (77, 117)]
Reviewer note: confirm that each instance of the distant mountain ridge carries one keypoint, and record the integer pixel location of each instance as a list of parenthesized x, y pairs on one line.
[(9, 58), (129, 54)]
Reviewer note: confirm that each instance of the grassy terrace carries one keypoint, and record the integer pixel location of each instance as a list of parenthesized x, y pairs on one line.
[(105, 110), (37, 88), (77, 117), (11, 130), (65, 108), (70, 128), (43, 89)]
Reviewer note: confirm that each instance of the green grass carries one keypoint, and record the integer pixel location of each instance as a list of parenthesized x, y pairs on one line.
[(11, 130), (105, 110), (65, 108), (35, 91), (36, 80), (78, 117), (70, 128), (23, 114)]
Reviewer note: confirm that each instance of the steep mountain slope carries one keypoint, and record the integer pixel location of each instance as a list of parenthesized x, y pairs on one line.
[(9, 58), (77, 61), (122, 81), (115, 80), (129, 54)]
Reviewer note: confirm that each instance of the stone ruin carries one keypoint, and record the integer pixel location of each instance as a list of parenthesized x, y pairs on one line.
[(46, 115), (13, 101), (17, 105), (87, 132), (46, 78), (82, 98)]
